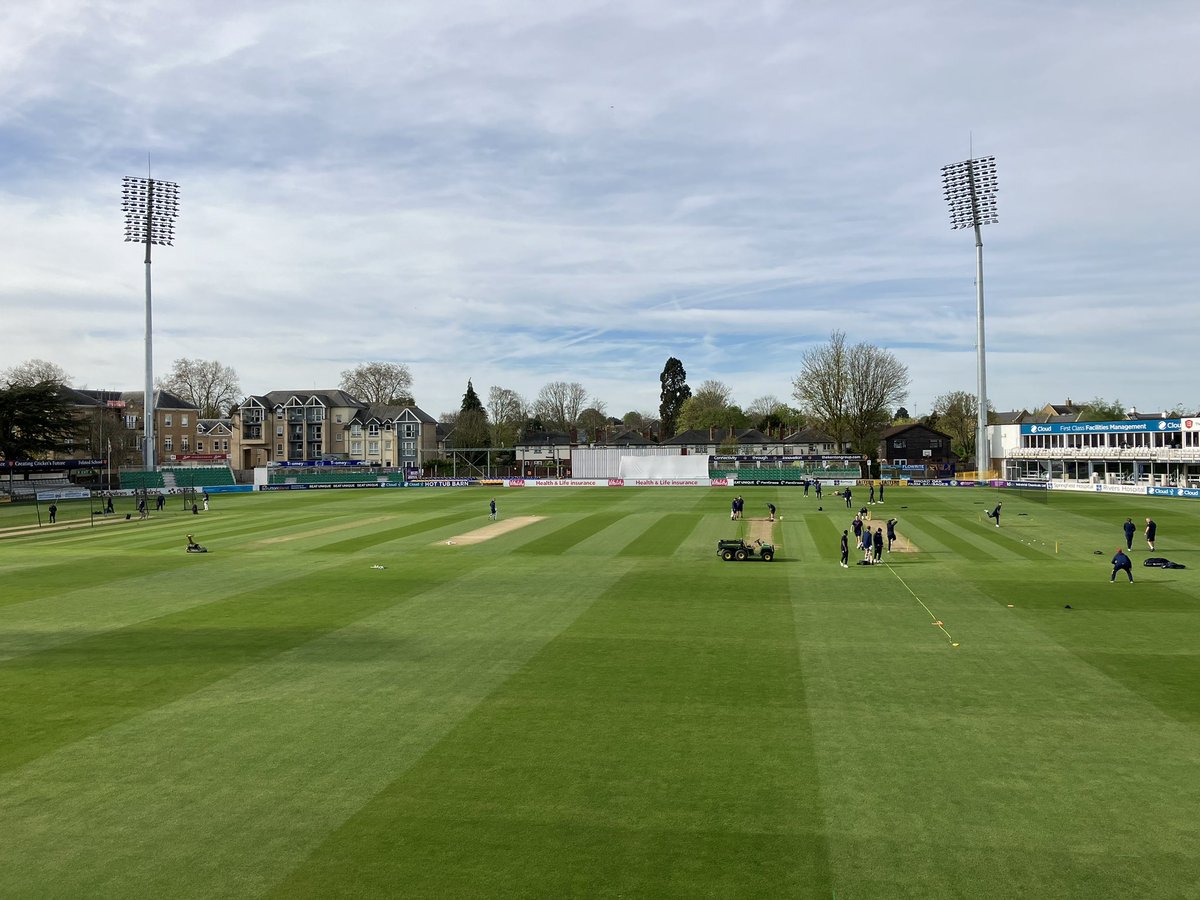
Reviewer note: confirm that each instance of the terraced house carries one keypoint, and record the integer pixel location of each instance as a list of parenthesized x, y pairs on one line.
[(302, 426)]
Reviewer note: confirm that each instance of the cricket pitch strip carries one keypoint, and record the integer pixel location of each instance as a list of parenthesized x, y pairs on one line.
[(487, 532)]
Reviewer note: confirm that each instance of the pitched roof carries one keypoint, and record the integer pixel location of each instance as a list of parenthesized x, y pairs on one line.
[(329, 398), (901, 429), (625, 436), (720, 436), (809, 436), (384, 412), (544, 439), (162, 400), (1012, 417)]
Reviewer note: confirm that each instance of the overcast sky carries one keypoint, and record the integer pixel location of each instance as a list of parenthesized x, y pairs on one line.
[(520, 191)]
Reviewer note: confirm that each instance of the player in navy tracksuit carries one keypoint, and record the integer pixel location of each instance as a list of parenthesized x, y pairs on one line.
[(995, 514), (1121, 563), (845, 550), (1129, 530)]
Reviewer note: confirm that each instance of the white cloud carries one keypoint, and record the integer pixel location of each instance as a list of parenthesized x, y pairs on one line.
[(520, 192)]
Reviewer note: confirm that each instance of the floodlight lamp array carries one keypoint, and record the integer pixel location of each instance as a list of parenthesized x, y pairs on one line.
[(150, 208), (970, 190)]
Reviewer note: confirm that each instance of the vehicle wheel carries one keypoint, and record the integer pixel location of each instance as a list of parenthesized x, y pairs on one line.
[(767, 556), (740, 555), (727, 555)]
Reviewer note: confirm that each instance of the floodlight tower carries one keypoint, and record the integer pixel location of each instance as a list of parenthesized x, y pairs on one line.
[(970, 189), (150, 208)]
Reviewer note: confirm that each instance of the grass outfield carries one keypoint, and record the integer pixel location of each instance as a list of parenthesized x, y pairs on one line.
[(594, 704)]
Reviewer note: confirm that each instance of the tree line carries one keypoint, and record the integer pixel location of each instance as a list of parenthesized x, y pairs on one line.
[(852, 393)]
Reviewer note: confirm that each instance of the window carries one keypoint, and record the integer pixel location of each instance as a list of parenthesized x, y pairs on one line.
[(183, 421), (183, 443), (409, 448), (279, 449), (131, 422), (225, 445), (387, 445), (410, 430), (936, 442), (168, 444), (373, 429), (167, 420), (338, 418), (356, 430), (356, 449), (339, 437), (199, 446), (278, 431), (373, 448)]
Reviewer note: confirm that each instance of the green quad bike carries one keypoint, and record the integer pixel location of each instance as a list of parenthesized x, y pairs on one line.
[(740, 550)]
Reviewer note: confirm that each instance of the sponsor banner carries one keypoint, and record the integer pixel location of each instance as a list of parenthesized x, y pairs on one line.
[(1122, 488), (1089, 488), (1191, 424), (65, 494), (770, 482), (1130, 427), (200, 457), (314, 463), (319, 487), (932, 482), (515, 482), (1193, 493), (437, 482), (567, 482), (53, 463), (969, 483), (672, 482), (1025, 485), (720, 482), (616, 482), (495, 482), (811, 457)]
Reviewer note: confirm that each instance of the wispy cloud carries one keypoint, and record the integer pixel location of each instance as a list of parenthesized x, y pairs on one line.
[(519, 192)]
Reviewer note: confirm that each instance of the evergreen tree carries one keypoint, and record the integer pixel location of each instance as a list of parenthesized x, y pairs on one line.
[(34, 420), (471, 399), (675, 391)]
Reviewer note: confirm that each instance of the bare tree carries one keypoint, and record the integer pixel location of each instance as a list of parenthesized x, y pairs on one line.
[(507, 412), (878, 383), (35, 371), (822, 387), (379, 382), (849, 392), (212, 387), (559, 403)]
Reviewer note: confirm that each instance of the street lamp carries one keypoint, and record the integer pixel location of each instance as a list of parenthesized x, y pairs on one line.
[(150, 208), (970, 190)]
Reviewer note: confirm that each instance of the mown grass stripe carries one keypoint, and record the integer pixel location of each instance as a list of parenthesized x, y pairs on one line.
[(960, 540), (572, 533), (373, 538), (662, 537), (64, 693), (585, 790)]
